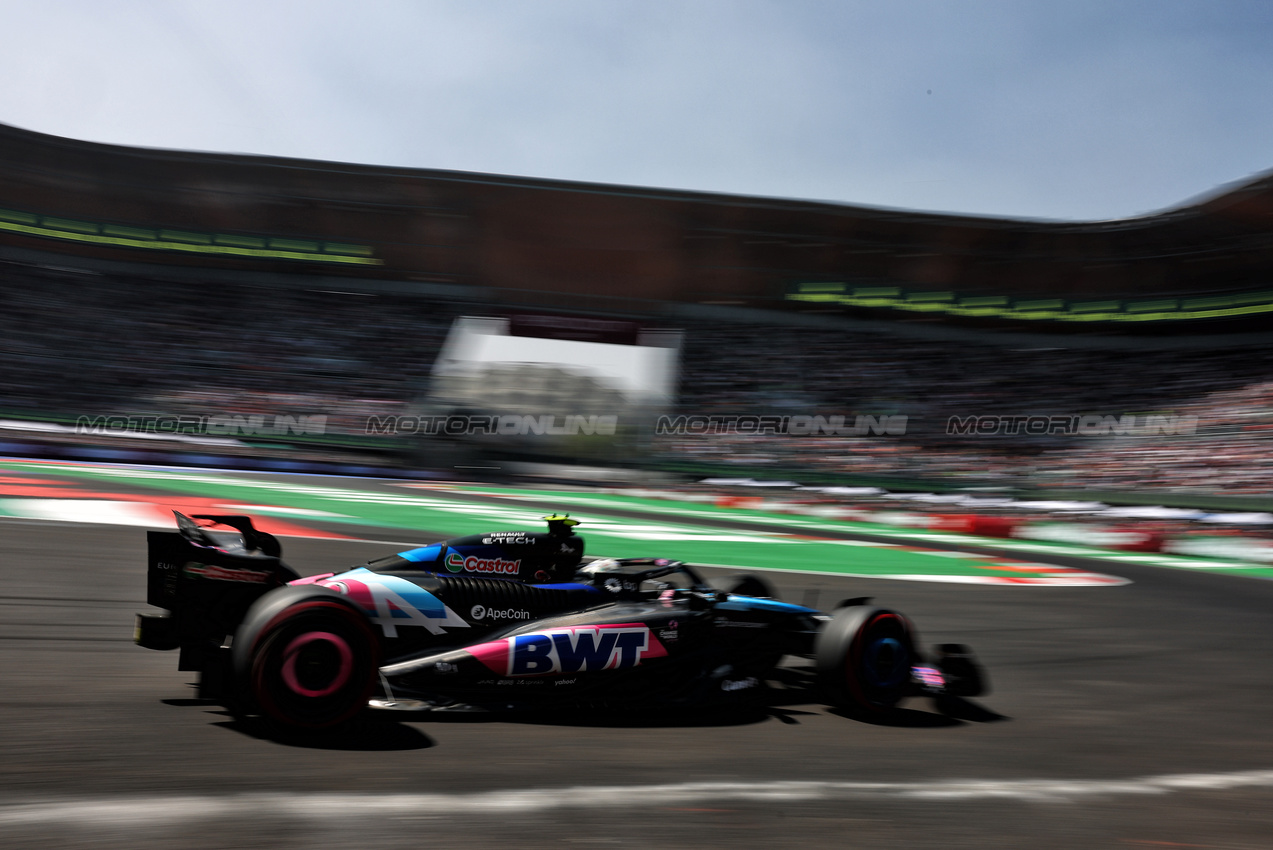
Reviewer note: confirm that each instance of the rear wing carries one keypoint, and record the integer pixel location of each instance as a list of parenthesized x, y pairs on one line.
[(243, 555), (244, 538), (208, 577)]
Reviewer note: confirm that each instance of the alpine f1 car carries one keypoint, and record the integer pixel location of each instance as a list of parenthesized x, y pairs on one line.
[(504, 620)]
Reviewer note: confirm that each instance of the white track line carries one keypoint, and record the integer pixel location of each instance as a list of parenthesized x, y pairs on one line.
[(160, 811)]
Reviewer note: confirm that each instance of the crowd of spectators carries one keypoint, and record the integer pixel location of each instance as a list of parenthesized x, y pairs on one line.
[(83, 344), (75, 343), (1218, 401)]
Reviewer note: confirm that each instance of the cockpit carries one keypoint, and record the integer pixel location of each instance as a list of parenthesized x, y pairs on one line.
[(644, 578)]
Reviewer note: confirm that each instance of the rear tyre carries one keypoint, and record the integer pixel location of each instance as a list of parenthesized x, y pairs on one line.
[(864, 657), (305, 659)]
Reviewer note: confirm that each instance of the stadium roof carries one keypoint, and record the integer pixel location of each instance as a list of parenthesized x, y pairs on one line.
[(620, 247)]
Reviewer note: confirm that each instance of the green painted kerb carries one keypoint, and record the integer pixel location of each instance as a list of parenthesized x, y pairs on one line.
[(433, 514)]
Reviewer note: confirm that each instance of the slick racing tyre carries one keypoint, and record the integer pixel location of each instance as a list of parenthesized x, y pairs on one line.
[(305, 659), (864, 657)]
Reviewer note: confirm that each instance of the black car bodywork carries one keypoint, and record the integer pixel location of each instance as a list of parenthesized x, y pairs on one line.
[(502, 620)]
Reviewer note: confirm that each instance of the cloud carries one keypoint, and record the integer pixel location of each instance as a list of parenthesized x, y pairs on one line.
[(1081, 110)]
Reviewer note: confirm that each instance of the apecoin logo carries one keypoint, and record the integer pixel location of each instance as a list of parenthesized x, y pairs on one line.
[(481, 612)]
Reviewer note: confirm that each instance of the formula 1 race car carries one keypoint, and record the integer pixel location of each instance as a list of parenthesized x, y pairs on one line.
[(505, 620)]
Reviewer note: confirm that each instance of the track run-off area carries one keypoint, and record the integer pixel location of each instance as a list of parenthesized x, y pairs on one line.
[(1129, 704), (617, 525)]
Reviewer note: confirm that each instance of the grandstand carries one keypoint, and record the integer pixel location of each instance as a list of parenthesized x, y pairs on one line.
[(623, 249), (140, 283)]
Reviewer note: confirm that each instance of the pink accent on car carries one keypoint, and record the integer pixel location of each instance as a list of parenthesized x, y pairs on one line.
[(342, 674), (311, 579), (494, 655), (355, 590)]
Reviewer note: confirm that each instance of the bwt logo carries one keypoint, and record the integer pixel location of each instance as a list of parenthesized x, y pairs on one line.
[(1083, 426), (457, 563), (581, 649), (794, 426)]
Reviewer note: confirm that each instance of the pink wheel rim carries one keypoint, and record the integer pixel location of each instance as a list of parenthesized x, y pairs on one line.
[(854, 658), (342, 675)]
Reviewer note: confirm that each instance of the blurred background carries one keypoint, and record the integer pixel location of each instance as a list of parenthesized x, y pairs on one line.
[(991, 268), (338, 320), (283, 311)]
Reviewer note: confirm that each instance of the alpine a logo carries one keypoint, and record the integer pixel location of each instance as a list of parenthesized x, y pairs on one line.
[(392, 602), (457, 563), (481, 612), (570, 650)]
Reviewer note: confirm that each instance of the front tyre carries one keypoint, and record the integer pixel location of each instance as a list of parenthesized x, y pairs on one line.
[(864, 657), (306, 659)]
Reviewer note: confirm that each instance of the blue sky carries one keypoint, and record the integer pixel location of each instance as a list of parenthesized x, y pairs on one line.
[(1077, 110)]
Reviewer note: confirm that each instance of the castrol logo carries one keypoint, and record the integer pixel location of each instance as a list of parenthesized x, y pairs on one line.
[(456, 563)]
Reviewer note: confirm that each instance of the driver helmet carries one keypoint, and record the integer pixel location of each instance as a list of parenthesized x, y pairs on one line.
[(567, 549), (561, 525)]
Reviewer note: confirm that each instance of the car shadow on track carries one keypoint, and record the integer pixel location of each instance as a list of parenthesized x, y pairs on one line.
[(608, 718), (952, 711), (387, 730), (966, 709), (365, 734)]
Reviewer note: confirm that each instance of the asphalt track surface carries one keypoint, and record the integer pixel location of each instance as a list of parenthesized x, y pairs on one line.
[(1129, 716)]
